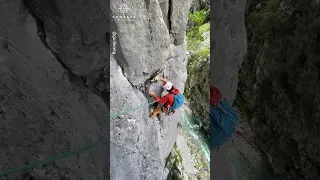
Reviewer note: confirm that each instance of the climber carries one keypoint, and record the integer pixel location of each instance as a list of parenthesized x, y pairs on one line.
[(223, 119), (170, 102)]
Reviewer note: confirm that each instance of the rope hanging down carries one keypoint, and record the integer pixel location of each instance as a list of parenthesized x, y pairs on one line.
[(65, 154)]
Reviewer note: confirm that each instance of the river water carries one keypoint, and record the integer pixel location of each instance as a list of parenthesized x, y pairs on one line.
[(192, 128)]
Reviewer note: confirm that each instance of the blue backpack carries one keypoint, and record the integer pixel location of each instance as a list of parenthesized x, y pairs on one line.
[(178, 101), (223, 120)]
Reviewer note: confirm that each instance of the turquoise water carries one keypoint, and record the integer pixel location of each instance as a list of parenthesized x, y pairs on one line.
[(200, 139)]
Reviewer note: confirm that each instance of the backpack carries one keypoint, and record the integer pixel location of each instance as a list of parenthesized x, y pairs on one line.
[(178, 101), (223, 121)]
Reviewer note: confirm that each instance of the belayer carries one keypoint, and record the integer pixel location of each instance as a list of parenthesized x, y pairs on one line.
[(223, 119), (170, 102)]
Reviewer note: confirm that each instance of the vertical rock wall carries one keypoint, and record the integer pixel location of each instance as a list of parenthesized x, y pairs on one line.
[(52, 87), (228, 48), (153, 39)]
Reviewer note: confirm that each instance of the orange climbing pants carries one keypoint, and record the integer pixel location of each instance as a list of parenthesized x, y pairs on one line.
[(158, 110)]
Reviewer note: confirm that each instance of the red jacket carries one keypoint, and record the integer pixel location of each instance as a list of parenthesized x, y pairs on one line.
[(168, 99), (215, 96)]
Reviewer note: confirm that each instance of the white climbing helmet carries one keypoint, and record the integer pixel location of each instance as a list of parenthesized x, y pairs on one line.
[(168, 85)]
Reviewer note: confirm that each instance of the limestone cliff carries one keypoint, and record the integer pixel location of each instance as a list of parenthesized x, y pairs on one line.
[(153, 39), (53, 86)]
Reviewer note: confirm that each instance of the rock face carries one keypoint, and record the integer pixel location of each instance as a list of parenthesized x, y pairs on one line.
[(279, 85), (51, 65), (54, 73), (75, 37), (149, 34), (228, 48), (152, 38), (250, 163)]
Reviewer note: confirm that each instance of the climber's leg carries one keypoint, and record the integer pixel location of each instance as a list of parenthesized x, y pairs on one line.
[(155, 112)]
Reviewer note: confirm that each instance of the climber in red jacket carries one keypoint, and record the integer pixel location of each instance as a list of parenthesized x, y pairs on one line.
[(171, 101)]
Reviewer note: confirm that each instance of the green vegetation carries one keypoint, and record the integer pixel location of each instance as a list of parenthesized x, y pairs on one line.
[(197, 85), (196, 57), (176, 150), (198, 17), (169, 160), (173, 162), (280, 77), (269, 21), (276, 26), (195, 33), (198, 177)]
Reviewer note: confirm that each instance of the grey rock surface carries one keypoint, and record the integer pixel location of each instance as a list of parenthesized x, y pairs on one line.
[(228, 48), (247, 159), (134, 140), (139, 144), (45, 109), (228, 45), (54, 69), (75, 31), (164, 5), (178, 20), (143, 41)]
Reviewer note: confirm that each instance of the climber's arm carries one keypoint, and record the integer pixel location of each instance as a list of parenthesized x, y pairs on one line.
[(161, 101)]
